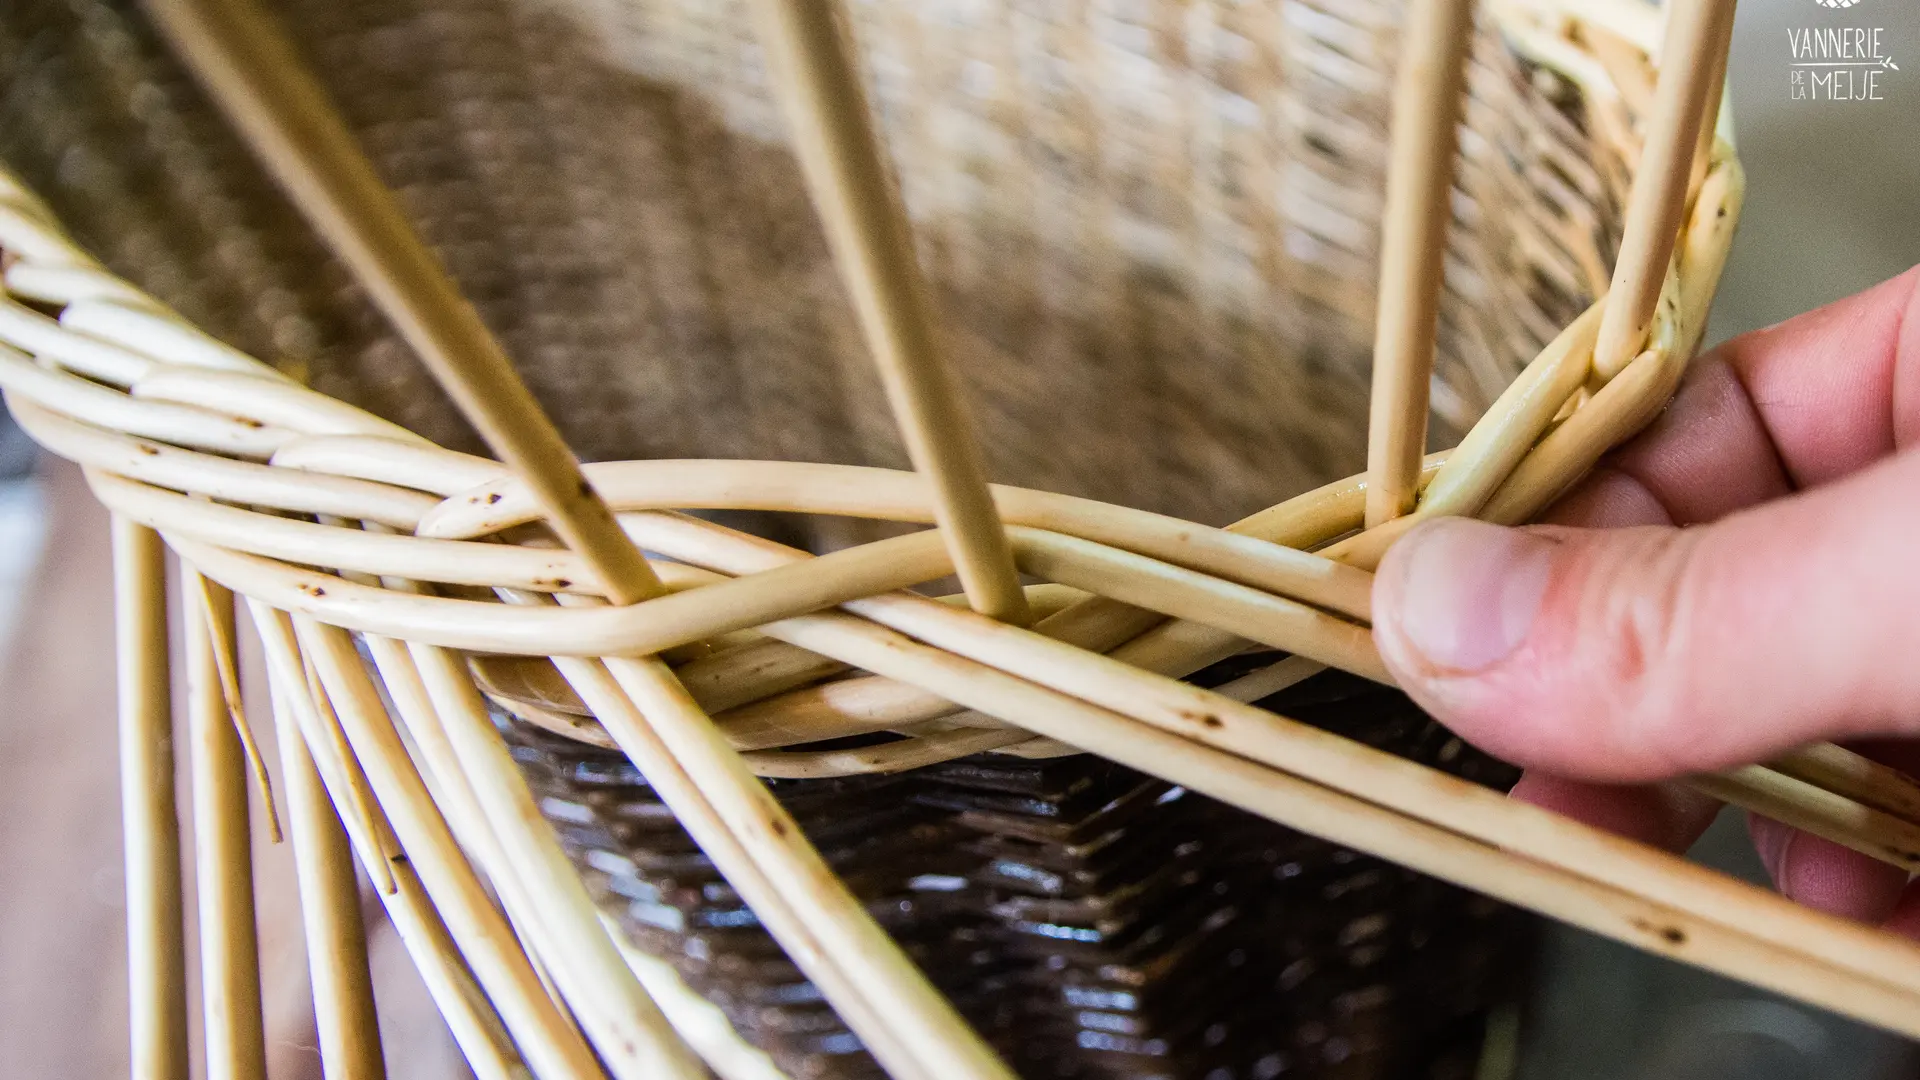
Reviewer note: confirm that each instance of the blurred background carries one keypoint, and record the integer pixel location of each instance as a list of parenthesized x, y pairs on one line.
[(1831, 209)]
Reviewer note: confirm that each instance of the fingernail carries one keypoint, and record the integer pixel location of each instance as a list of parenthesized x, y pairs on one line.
[(1465, 593)]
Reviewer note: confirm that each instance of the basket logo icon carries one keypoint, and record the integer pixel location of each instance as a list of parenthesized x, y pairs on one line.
[(1836, 3)]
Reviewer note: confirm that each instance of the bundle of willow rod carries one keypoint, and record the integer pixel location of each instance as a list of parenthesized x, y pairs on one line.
[(707, 657)]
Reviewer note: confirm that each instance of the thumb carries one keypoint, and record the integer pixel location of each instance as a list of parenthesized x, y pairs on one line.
[(1626, 655)]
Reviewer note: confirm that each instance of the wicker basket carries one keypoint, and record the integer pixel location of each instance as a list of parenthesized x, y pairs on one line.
[(1155, 234), (1156, 244)]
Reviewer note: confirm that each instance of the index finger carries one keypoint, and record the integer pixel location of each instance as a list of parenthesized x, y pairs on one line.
[(1811, 400)]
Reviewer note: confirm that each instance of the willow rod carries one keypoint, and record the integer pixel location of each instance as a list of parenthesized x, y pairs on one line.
[(235, 1028), (1844, 772), (1413, 248), (258, 79), (1316, 756), (771, 897), (890, 494), (150, 822), (1744, 931), (552, 1046), (470, 1015), (1219, 604), (1697, 34), (1245, 613), (758, 846), (344, 1018), (813, 59), (102, 406), (218, 478), (725, 606), (1710, 119), (447, 785), (446, 716), (1874, 833), (252, 69), (704, 1025)]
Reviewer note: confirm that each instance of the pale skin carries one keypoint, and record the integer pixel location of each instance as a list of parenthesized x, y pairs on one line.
[(1741, 579)]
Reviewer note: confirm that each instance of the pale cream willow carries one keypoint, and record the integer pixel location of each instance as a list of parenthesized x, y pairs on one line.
[(396, 586)]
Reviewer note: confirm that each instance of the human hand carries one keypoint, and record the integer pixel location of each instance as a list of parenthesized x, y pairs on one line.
[(1741, 579)]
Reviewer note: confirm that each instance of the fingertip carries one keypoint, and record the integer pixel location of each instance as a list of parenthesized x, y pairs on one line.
[(1667, 816), (1607, 499), (1455, 598), (1833, 386), (1826, 876)]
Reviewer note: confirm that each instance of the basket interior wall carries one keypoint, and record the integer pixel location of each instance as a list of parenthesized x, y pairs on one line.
[(1153, 226)]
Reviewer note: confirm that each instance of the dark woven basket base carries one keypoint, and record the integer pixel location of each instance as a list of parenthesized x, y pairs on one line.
[(1093, 922)]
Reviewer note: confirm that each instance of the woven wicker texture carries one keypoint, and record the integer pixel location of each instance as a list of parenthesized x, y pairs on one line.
[(1092, 921), (1154, 228)]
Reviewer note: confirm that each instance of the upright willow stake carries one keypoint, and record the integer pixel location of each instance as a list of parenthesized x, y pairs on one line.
[(470, 1015), (223, 855), (912, 1030), (1697, 34), (226, 661), (156, 953), (1710, 118), (807, 43), (343, 1009), (1413, 247), (552, 1047), (252, 71), (434, 696)]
